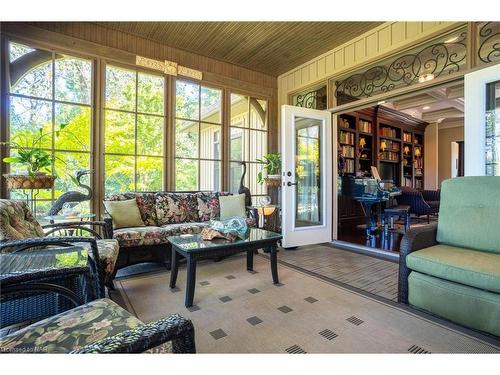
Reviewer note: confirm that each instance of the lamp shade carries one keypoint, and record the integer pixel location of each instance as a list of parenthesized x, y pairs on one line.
[(383, 145), (417, 152), (362, 142)]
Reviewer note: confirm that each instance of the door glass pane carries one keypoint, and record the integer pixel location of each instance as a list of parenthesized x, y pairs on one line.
[(493, 129), (308, 210)]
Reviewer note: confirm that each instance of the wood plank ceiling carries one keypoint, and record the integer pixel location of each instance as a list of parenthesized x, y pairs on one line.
[(268, 47)]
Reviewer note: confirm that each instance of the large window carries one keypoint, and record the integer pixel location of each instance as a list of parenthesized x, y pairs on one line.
[(134, 128), (198, 126), (50, 104), (248, 141)]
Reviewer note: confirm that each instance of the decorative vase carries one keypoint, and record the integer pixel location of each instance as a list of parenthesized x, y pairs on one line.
[(273, 180), (23, 181)]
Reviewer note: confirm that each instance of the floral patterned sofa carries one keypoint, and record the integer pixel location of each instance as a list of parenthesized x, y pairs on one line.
[(164, 214)]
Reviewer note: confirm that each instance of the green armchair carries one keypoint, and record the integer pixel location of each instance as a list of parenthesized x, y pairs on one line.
[(452, 269)]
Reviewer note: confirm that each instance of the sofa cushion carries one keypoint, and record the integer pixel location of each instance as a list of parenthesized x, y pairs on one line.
[(478, 269), (17, 222), (72, 329), (462, 304), (173, 208), (232, 206), (145, 203), (144, 236), (184, 228), (124, 213), (469, 212), (208, 205), (140, 236)]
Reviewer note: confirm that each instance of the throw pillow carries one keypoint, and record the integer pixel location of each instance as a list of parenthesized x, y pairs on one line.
[(232, 206), (125, 213)]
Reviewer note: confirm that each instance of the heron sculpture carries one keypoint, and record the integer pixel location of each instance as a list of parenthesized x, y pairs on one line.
[(73, 197), (243, 189)]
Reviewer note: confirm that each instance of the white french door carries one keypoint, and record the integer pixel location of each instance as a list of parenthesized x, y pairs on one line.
[(308, 170), (482, 122)]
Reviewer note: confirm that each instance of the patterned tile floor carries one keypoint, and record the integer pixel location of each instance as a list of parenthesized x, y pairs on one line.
[(376, 276)]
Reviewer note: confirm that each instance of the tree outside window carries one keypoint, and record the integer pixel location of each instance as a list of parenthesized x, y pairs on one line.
[(134, 126), (198, 124), (49, 91)]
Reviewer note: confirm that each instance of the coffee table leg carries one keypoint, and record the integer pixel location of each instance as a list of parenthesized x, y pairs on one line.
[(174, 268), (191, 281), (274, 263), (250, 260)]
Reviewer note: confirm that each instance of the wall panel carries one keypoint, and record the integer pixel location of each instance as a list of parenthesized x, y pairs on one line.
[(377, 43)]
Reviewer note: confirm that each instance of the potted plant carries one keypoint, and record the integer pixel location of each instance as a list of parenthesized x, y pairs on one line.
[(37, 161), (272, 167)]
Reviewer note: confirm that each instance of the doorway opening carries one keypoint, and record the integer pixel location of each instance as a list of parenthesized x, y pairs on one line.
[(392, 158)]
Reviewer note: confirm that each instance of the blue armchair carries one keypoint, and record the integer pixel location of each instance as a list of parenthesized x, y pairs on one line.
[(423, 202)]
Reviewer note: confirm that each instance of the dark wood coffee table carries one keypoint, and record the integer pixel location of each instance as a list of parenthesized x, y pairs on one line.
[(194, 248)]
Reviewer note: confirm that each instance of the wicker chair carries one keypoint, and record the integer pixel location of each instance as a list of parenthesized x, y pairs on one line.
[(18, 223), (104, 327), (421, 202)]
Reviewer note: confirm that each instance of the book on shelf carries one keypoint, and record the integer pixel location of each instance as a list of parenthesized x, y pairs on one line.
[(407, 137), (407, 182), (418, 184), (388, 132), (389, 156), (348, 151), (349, 166), (418, 163), (344, 123), (365, 126), (346, 138)]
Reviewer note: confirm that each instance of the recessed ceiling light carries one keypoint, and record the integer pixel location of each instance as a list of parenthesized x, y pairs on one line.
[(426, 107), (452, 40)]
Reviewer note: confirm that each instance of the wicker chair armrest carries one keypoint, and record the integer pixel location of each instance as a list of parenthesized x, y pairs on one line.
[(28, 243), (174, 328), (415, 239), (108, 220)]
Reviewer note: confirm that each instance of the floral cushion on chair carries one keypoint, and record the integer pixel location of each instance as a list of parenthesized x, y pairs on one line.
[(17, 222), (173, 208), (71, 330), (145, 203), (108, 253), (208, 205)]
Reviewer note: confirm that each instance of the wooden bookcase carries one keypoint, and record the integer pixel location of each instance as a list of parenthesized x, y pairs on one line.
[(388, 139), (385, 138)]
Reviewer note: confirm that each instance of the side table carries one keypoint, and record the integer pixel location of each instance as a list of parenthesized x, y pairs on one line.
[(43, 282)]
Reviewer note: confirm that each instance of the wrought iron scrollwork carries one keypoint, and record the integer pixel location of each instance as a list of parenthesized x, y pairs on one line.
[(489, 42), (315, 99), (434, 60)]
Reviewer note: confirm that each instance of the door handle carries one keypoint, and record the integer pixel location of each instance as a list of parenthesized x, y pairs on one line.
[(291, 183)]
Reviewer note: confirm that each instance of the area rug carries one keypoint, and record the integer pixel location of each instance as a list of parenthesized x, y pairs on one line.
[(237, 311)]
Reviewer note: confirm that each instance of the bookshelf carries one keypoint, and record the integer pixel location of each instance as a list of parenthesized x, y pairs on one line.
[(390, 140)]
